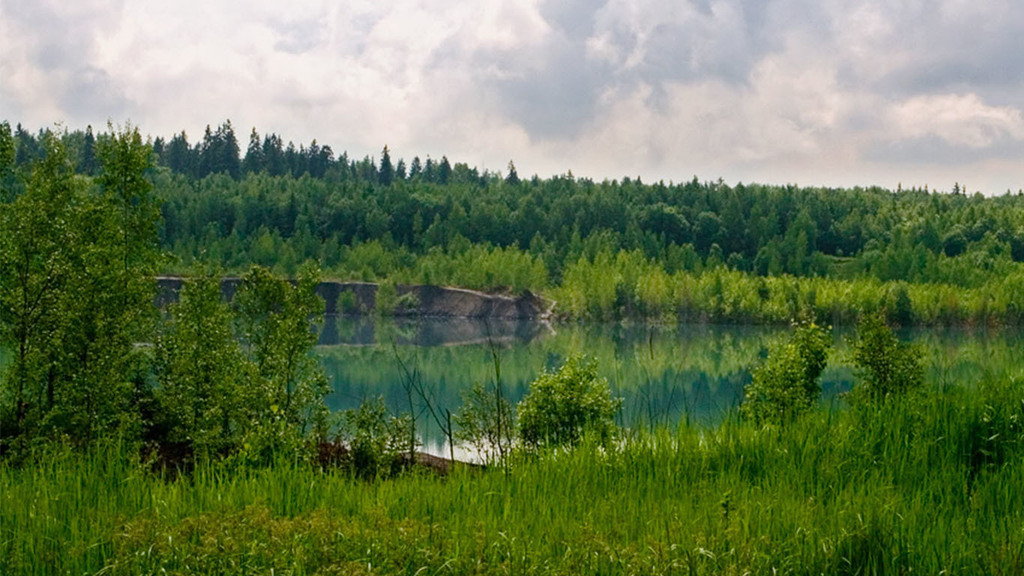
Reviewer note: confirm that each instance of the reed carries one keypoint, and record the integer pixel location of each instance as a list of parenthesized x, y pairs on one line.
[(930, 484)]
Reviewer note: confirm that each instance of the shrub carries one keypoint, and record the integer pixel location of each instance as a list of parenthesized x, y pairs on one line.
[(886, 367), (563, 406), (202, 373), (786, 383), (375, 437), (486, 421)]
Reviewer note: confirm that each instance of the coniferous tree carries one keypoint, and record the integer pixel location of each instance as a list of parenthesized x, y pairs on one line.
[(386, 174), (273, 155), (429, 171), (87, 160), (513, 177), (444, 171), (219, 152), (179, 155), (228, 151), (28, 148), (158, 148), (296, 160), (317, 159), (321, 160), (207, 150), (415, 168), (253, 163)]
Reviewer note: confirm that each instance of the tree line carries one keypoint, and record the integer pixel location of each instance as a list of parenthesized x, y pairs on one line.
[(280, 205)]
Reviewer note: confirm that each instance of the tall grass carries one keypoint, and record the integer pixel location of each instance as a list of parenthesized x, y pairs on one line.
[(930, 484)]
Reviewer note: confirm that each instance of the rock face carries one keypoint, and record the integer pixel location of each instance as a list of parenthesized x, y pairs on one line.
[(456, 302), (357, 298)]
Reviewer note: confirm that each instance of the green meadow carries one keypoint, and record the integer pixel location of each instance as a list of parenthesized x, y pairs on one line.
[(930, 484)]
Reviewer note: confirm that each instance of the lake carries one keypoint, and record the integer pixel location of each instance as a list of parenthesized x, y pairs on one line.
[(663, 373)]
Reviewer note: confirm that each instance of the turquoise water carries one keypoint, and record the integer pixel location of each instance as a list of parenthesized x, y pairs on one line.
[(663, 374)]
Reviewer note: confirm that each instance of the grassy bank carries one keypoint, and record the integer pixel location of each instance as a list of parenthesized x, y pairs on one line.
[(928, 484)]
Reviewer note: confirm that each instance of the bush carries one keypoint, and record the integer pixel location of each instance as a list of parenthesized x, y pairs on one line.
[(786, 383), (886, 367), (563, 406), (202, 373), (375, 437), (486, 421)]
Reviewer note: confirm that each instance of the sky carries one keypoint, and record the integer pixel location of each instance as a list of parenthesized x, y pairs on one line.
[(808, 92)]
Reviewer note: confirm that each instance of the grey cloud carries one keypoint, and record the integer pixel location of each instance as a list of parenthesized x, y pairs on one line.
[(938, 54), (574, 19), (62, 43), (996, 73), (299, 37), (91, 93), (61, 38), (554, 92), (551, 90), (556, 100), (933, 150)]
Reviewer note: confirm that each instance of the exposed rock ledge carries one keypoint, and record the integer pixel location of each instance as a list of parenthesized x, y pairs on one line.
[(413, 300)]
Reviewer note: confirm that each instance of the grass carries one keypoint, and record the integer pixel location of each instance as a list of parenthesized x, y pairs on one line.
[(928, 484)]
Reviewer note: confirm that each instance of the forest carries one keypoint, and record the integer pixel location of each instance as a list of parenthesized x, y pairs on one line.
[(603, 250), (197, 439)]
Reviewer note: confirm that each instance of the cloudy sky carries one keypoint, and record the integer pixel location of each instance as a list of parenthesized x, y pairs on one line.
[(812, 92)]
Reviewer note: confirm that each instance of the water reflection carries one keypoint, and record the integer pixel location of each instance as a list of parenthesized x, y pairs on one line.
[(429, 332), (664, 374)]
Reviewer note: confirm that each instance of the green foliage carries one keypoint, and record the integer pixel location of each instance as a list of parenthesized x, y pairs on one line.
[(886, 367), (385, 301), (786, 383), (482, 267), (486, 421), (204, 379), (124, 179), (912, 488), (347, 303), (276, 322), (563, 406), (375, 438), (37, 244), (75, 269), (316, 206), (8, 154)]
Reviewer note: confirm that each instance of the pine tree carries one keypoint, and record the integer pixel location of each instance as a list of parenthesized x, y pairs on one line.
[(415, 168), (228, 151), (273, 155), (253, 163), (513, 177), (444, 171), (386, 174), (179, 156), (87, 161)]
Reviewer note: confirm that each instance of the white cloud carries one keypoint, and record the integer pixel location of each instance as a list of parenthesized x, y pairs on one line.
[(792, 90), (959, 120)]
